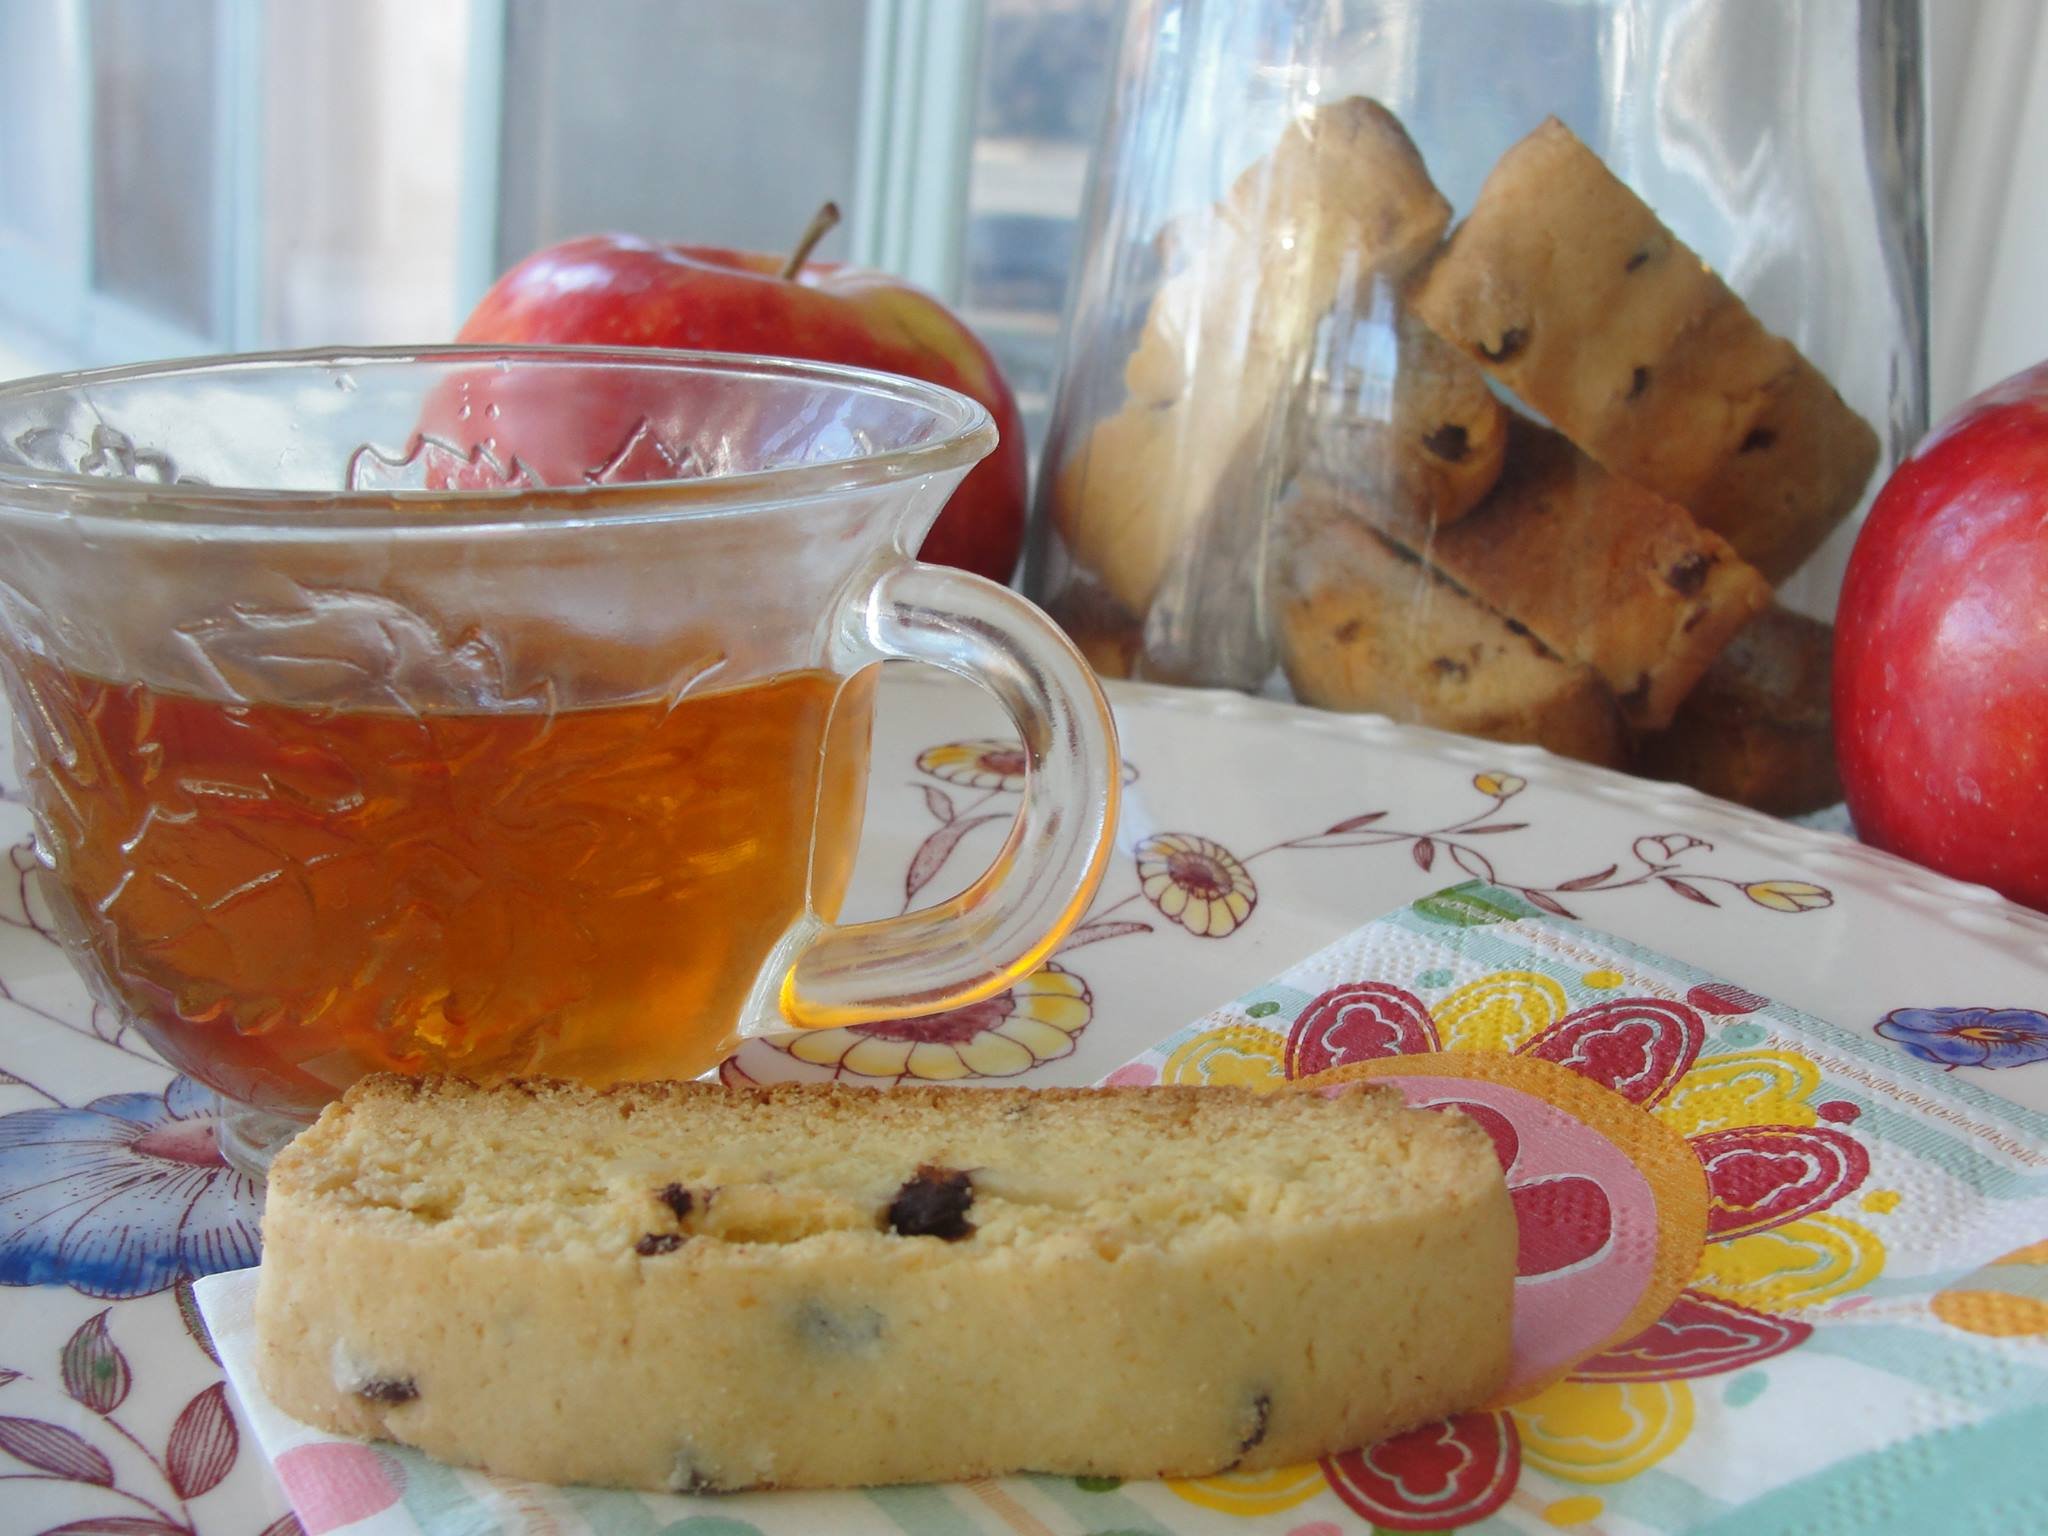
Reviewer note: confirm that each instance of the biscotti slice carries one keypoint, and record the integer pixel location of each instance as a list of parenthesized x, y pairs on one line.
[(1342, 201), (1800, 468), (1599, 570), (692, 1287), (1568, 288), (1758, 729), (1416, 425), (1365, 626)]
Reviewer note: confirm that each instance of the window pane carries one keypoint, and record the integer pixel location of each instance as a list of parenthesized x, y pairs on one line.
[(155, 81), (1045, 65), (363, 120), (693, 120), (41, 180)]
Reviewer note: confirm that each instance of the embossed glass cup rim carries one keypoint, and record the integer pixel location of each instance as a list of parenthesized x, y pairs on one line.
[(962, 432)]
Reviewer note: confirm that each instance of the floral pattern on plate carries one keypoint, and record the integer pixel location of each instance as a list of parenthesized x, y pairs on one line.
[(1199, 885), (124, 1197), (1024, 1026), (63, 1421)]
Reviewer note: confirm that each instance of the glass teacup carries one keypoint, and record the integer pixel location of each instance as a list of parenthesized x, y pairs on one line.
[(503, 712)]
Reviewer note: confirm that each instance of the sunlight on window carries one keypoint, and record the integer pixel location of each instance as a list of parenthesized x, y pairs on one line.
[(226, 175), (363, 111), (1045, 64)]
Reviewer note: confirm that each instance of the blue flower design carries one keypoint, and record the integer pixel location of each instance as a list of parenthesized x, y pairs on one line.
[(1969, 1037), (126, 1196)]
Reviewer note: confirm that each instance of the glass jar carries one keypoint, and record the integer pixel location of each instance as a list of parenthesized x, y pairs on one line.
[(1517, 367)]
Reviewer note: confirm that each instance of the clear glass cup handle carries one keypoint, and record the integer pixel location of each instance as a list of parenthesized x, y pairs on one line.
[(1005, 923)]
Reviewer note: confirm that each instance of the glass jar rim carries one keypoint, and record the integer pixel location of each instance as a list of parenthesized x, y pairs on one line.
[(963, 433)]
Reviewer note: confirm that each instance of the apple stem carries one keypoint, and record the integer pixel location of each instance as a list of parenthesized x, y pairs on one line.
[(820, 226)]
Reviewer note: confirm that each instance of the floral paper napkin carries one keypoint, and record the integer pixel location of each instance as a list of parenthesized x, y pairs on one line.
[(1774, 1277)]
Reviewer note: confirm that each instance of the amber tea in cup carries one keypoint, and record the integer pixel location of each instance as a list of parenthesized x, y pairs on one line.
[(283, 892), (537, 746)]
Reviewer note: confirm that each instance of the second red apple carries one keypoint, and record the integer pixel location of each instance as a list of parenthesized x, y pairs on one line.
[(617, 290), (1941, 650)]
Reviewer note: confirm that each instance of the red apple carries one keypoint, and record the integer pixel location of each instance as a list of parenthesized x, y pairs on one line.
[(620, 291), (1941, 650)]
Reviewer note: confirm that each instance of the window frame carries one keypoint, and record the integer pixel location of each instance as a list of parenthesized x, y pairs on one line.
[(58, 304), (913, 156), (48, 297), (920, 76)]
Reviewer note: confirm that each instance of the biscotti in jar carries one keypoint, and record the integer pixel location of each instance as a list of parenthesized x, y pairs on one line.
[(1600, 367)]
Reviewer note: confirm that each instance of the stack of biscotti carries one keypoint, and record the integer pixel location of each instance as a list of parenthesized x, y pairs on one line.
[(1369, 626), (696, 1288), (1534, 576), (1600, 570), (1161, 505), (1688, 459), (1341, 204), (1569, 291), (1759, 727)]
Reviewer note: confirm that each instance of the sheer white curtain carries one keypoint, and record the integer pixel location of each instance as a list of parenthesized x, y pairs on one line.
[(1989, 109)]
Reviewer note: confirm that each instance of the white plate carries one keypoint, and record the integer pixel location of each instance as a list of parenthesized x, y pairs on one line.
[(1823, 923)]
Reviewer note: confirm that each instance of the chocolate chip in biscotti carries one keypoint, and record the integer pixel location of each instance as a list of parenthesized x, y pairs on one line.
[(1758, 439), (388, 1391), (934, 1203), (677, 1199), (655, 1243), (1450, 443), (1257, 1420), (1512, 341), (1689, 573), (1638, 382)]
